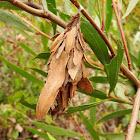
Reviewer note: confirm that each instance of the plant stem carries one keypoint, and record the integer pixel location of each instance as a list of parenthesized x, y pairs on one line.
[(77, 125), (40, 32), (122, 34), (103, 16), (134, 117)]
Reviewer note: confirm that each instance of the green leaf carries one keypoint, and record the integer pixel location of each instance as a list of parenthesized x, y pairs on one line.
[(56, 130), (84, 107), (52, 7), (113, 68), (92, 112), (15, 134), (45, 27), (130, 7), (43, 73), (96, 94), (25, 103), (109, 13), (89, 127), (35, 131), (8, 17), (7, 5), (115, 115), (22, 72), (26, 48), (43, 56), (95, 42), (99, 79)]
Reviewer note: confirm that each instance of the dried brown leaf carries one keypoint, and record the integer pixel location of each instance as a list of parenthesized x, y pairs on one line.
[(57, 42), (85, 85), (52, 85)]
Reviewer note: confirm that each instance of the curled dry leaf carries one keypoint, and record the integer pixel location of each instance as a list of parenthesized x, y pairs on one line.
[(66, 71)]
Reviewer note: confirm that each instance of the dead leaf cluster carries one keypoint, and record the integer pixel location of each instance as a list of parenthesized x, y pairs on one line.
[(66, 71)]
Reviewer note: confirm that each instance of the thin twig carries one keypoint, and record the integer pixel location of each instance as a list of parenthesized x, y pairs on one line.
[(103, 16), (122, 34), (37, 11), (40, 32), (134, 117), (77, 125)]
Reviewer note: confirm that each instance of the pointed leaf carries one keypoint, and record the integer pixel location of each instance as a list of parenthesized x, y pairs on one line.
[(43, 56), (96, 94), (22, 72), (115, 115), (95, 42), (25, 103), (26, 48), (84, 107), (52, 7), (89, 127), (99, 79), (130, 7), (113, 68), (43, 73), (9, 18), (45, 27), (109, 13), (41, 134), (56, 130)]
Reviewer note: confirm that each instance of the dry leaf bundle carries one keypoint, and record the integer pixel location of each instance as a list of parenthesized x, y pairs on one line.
[(66, 71)]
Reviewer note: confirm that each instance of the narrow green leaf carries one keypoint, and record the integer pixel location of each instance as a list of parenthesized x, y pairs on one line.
[(35, 131), (7, 5), (92, 112), (96, 94), (22, 72), (130, 7), (44, 56), (90, 7), (52, 7), (99, 79), (113, 68), (26, 48), (115, 115), (43, 73), (109, 13), (95, 41), (56, 130), (84, 107), (45, 27), (25, 103), (9, 18), (89, 127)]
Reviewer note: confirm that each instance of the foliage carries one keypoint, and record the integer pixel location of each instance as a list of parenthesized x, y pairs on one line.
[(24, 53)]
